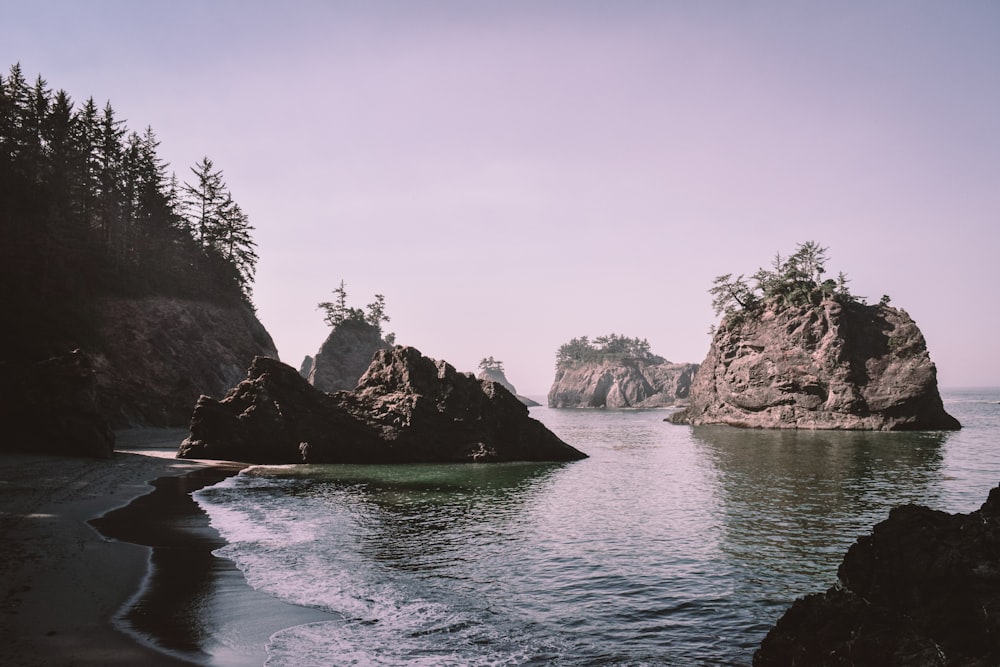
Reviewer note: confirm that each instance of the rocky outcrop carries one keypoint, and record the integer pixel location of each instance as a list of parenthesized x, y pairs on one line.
[(345, 356), (50, 407), (628, 383), (406, 408), (922, 589), (498, 376), (825, 366), (155, 356)]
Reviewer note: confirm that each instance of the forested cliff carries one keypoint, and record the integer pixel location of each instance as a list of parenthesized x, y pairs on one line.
[(90, 220)]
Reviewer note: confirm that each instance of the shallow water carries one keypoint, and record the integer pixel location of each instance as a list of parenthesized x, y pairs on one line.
[(669, 545)]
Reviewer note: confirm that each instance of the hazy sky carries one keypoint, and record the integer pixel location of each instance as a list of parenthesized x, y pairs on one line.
[(511, 175)]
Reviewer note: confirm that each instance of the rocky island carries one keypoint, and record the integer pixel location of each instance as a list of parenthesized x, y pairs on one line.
[(406, 408), (355, 337), (922, 589), (492, 369), (617, 372), (798, 351)]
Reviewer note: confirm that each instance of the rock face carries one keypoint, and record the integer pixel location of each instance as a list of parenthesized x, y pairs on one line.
[(406, 408), (922, 589), (498, 376), (830, 366), (629, 383), (50, 407), (344, 356), (154, 356)]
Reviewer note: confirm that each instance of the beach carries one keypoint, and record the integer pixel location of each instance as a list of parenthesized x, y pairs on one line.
[(64, 584)]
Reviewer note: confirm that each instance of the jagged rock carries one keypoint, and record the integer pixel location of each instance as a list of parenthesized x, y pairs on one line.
[(406, 408), (50, 407), (345, 356), (154, 356), (306, 366), (825, 366), (922, 589), (628, 383), (498, 376)]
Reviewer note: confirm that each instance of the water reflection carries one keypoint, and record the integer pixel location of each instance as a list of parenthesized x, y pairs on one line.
[(792, 502)]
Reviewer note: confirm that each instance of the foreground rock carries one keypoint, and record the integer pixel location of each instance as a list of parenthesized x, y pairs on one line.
[(50, 407), (155, 355), (344, 356), (497, 375), (922, 589), (406, 408), (831, 365), (624, 383)]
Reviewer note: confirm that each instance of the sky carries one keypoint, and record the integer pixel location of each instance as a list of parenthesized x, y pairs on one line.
[(514, 174)]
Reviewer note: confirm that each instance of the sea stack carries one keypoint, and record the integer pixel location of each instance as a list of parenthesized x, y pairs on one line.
[(617, 372), (801, 352)]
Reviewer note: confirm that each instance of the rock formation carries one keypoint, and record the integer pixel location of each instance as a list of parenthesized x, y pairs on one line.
[(406, 408), (345, 356), (828, 365), (50, 407), (497, 375), (155, 356), (625, 383), (922, 589)]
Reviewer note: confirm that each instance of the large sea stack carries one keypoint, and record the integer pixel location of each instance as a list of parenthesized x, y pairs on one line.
[(832, 365), (798, 351), (406, 408), (922, 590)]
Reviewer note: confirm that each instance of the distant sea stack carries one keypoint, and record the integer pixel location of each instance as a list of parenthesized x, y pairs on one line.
[(492, 370), (407, 408), (799, 352), (921, 589), (344, 356), (617, 372)]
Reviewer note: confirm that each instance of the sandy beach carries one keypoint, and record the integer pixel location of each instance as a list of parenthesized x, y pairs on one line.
[(62, 582)]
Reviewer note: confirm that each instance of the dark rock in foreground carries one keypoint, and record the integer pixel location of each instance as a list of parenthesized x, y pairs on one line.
[(823, 366), (50, 407), (922, 589), (406, 408)]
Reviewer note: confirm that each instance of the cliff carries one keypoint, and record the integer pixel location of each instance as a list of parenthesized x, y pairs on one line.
[(344, 356), (498, 376), (831, 365), (923, 589), (154, 356), (405, 409), (625, 383)]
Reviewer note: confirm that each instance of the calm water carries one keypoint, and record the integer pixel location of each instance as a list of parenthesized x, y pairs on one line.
[(669, 546)]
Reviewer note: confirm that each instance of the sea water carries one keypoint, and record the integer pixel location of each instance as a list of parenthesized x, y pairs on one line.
[(670, 545)]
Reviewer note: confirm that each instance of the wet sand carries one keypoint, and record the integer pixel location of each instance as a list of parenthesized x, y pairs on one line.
[(71, 595)]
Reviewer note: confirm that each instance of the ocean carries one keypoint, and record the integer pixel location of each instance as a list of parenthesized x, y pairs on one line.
[(670, 545)]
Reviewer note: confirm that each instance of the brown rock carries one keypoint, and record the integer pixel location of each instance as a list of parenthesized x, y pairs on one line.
[(828, 366), (406, 408)]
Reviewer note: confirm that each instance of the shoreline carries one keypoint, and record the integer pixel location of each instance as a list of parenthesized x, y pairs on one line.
[(66, 588)]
